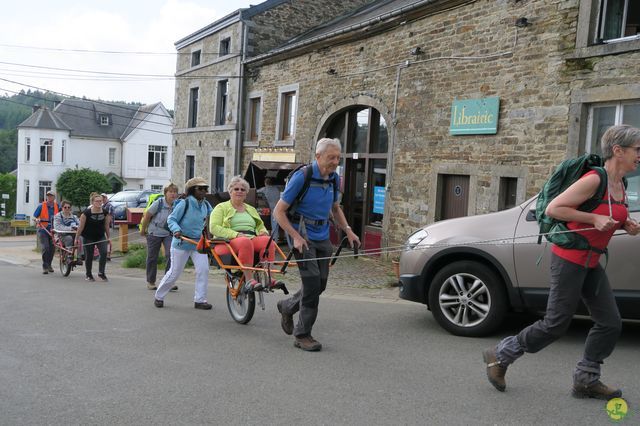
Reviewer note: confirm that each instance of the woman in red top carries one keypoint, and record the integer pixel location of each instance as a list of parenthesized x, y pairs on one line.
[(577, 274)]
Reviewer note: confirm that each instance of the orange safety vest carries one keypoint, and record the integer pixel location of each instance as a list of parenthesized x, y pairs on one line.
[(44, 212)]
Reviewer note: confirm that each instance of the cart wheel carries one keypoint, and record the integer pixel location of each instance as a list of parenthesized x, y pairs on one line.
[(65, 263), (242, 307)]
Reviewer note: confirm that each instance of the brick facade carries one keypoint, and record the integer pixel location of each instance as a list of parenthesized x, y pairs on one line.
[(545, 83)]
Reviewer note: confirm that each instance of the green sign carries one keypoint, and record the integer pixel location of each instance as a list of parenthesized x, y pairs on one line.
[(475, 116)]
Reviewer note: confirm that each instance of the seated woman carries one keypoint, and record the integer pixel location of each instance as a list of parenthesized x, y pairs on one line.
[(240, 223), (66, 223)]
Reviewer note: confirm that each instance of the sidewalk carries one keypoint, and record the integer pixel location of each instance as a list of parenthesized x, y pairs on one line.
[(366, 277)]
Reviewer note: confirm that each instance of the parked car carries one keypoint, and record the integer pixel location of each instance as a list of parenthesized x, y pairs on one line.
[(129, 198), (471, 271)]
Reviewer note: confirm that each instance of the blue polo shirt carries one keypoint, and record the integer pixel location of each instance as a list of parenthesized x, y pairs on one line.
[(316, 204)]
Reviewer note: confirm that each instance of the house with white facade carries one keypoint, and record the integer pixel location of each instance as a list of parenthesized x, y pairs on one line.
[(131, 145)]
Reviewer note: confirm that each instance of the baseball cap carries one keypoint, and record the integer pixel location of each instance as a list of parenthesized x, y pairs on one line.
[(51, 193)]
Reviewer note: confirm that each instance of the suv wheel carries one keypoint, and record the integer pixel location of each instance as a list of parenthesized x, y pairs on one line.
[(467, 299)]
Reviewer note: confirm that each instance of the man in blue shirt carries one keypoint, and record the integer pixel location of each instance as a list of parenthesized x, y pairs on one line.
[(308, 227), (44, 220)]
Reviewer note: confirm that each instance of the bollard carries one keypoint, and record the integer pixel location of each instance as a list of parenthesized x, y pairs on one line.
[(124, 238)]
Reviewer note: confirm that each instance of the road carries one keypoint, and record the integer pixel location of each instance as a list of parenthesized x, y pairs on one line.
[(74, 352)]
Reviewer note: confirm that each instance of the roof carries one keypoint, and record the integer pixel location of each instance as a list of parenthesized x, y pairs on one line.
[(139, 118), (357, 19), (84, 118), (44, 118)]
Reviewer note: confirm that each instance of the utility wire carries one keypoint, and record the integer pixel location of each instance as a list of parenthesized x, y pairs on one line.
[(116, 52)]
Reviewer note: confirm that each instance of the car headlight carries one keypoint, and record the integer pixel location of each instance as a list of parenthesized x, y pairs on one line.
[(416, 238)]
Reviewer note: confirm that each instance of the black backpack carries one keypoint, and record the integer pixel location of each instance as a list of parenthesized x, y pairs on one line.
[(568, 172), (307, 170)]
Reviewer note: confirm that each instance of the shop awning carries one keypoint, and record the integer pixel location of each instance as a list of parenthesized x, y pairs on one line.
[(258, 170)]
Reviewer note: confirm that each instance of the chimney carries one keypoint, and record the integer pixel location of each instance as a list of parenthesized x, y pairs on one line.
[(36, 107)]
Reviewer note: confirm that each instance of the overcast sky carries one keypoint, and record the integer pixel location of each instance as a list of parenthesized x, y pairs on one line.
[(112, 25)]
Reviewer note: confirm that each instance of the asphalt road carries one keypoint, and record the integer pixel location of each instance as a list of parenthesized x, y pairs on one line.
[(73, 352)]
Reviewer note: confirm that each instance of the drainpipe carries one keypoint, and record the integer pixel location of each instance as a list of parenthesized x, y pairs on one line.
[(241, 89), (392, 144)]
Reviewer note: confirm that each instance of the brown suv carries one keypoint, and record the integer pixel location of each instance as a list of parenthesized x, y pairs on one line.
[(471, 271)]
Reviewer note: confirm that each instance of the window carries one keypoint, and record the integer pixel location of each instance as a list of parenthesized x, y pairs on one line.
[(26, 191), (190, 167), (193, 107), (43, 187), (221, 104), (63, 151), (287, 116), (104, 120), (157, 156), (619, 19), (601, 117), (507, 192), (112, 156), (46, 150), (225, 46), (27, 147), (157, 188), (253, 131), (195, 58), (217, 174)]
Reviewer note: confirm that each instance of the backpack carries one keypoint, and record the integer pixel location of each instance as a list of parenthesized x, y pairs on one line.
[(568, 172), (307, 170), (152, 198)]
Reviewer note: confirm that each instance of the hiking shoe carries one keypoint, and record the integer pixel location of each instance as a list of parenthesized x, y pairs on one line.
[(158, 303), (286, 321), (50, 269), (495, 369), (89, 278), (202, 305), (174, 288), (45, 271), (307, 343), (151, 286), (103, 277), (597, 390), (250, 285)]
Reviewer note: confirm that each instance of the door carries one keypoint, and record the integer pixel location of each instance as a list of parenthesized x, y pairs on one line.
[(454, 196), (356, 187)]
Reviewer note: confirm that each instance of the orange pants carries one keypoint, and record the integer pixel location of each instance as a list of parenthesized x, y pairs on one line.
[(246, 247)]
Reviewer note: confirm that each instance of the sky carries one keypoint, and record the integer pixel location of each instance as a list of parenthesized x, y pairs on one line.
[(40, 34)]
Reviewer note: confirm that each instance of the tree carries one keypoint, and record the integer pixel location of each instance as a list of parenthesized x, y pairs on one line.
[(75, 185), (9, 185)]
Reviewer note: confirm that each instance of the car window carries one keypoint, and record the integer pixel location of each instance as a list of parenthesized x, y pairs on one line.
[(633, 191)]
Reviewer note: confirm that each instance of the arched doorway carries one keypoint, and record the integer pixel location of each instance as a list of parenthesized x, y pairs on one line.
[(364, 136)]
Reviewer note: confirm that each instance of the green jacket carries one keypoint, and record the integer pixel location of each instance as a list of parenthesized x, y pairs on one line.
[(220, 220)]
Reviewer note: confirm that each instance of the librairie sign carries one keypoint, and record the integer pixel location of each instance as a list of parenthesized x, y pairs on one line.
[(475, 116)]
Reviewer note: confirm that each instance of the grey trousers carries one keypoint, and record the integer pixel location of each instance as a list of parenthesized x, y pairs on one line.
[(571, 282), (88, 255), (153, 251), (46, 245), (314, 275)]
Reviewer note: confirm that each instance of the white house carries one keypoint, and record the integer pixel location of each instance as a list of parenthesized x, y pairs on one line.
[(131, 145)]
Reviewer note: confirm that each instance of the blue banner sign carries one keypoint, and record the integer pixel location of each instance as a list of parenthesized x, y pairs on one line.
[(378, 199), (475, 116)]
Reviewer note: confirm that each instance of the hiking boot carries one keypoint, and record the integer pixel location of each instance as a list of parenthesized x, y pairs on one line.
[(158, 303), (89, 278), (286, 321), (50, 269), (103, 277), (45, 271), (202, 305), (495, 369), (597, 390), (174, 288), (307, 343), (151, 286)]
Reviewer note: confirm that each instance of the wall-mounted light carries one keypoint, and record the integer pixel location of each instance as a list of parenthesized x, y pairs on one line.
[(416, 51), (522, 22)]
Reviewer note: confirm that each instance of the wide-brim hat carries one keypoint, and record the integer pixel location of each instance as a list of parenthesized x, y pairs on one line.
[(196, 181)]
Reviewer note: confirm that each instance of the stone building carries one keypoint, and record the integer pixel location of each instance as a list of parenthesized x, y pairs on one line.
[(447, 107), (210, 78)]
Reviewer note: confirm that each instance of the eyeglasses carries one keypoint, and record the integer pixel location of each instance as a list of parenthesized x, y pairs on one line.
[(240, 189), (202, 188), (66, 207)]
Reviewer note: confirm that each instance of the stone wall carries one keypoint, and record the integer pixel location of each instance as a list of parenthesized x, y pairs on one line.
[(469, 52)]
